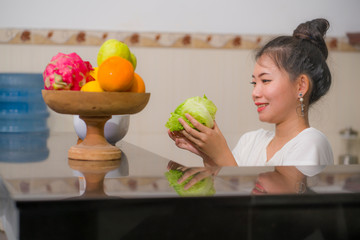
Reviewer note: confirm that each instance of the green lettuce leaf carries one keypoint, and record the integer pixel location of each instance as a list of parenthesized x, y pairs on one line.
[(201, 108), (204, 187)]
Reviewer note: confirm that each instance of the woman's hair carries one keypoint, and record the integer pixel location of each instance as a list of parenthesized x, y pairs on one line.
[(305, 52)]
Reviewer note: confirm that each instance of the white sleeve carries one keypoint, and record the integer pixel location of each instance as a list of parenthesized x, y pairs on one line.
[(311, 170), (242, 148), (248, 150), (237, 151), (311, 154)]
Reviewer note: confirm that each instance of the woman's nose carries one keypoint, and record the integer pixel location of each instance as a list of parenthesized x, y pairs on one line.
[(256, 93)]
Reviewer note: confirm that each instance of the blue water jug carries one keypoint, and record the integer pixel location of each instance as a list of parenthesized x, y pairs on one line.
[(23, 118)]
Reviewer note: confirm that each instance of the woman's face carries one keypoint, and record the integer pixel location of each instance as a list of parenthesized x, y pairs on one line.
[(275, 96)]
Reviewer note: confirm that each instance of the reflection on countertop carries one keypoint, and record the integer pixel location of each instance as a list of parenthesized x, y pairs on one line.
[(99, 179), (140, 173), (144, 188)]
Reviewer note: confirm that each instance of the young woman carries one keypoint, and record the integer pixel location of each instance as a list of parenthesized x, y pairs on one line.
[(290, 74)]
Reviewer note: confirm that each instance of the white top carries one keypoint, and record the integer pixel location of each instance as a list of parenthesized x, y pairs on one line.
[(308, 148)]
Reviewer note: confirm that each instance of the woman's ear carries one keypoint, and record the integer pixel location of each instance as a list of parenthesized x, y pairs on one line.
[(303, 84)]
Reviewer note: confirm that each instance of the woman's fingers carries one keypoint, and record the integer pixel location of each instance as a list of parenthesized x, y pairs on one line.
[(188, 131), (188, 173), (188, 136), (197, 178), (175, 134), (171, 135), (197, 175), (175, 166), (196, 124), (181, 142), (185, 125)]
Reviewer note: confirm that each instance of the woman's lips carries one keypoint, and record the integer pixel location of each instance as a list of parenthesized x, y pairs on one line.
[(258, 189), (261, 106)]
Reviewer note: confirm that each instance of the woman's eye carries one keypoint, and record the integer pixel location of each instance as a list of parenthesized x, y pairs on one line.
[(253, 83), (266, 81)]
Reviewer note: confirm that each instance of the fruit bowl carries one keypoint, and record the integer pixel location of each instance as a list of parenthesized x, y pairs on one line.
[(95, 103), (95, 108)]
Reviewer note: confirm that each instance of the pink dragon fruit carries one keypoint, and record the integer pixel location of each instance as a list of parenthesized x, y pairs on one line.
[(67, 72)]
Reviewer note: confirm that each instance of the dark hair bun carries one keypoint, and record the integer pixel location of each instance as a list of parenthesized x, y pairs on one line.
[(314, 31)]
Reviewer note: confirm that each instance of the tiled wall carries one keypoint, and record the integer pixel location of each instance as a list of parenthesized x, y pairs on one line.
[(134, 39), (174, 72)]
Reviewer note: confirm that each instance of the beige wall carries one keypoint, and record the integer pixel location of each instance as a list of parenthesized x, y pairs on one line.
[(174, 74)]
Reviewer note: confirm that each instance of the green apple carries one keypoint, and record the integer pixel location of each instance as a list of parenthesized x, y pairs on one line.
[(113, 47), (133, 60)]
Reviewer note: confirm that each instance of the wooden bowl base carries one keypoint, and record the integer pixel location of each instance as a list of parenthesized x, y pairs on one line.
[(94, 146), (83, 152)]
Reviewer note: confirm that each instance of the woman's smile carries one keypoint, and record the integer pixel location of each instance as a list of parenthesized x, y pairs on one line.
[(261, 106)]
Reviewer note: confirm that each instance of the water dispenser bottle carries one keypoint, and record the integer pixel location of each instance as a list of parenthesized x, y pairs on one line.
[(23, 118)]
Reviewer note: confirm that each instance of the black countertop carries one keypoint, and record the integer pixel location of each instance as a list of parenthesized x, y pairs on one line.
[(57, 198)]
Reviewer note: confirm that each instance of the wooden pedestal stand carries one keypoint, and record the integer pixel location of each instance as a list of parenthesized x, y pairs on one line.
[(94, 146), (95, 108)]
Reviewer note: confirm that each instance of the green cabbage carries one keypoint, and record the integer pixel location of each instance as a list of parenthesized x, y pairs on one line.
[(204, 187), (201, 108)]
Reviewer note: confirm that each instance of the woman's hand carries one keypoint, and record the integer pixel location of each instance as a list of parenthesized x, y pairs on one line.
[(182, 142), (204, 141), (197, 173)]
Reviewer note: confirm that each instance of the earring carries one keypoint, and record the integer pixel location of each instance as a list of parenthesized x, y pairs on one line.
[(302, 105)]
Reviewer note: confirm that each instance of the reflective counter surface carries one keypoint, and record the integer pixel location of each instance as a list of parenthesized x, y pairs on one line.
[(138, 196)]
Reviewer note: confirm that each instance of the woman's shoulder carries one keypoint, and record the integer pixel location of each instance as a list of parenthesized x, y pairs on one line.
[(313, 146), (313, 134)]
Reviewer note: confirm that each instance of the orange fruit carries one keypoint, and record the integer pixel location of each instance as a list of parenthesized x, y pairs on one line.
[(92, 86), (138, 84), (115, 74)]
